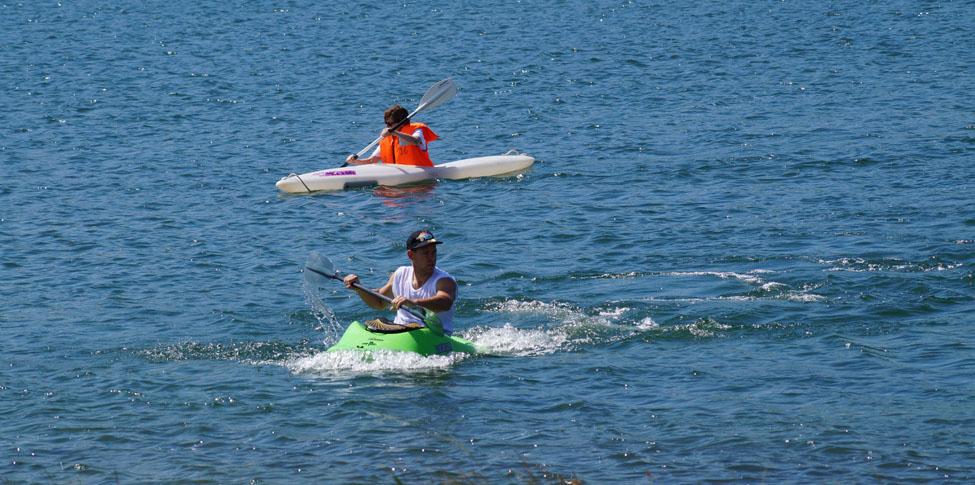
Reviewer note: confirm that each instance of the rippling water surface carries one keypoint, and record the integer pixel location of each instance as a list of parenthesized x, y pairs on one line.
[(746, 250)]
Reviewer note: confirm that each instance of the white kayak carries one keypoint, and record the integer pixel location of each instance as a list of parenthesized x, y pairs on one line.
[(383, 174)]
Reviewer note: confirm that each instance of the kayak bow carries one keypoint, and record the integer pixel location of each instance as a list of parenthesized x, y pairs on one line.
[(422, 341)]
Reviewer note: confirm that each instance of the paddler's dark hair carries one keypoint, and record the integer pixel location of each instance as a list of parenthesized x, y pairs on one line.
[(395, 114)]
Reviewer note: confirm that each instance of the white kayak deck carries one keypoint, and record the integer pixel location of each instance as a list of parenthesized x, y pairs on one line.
[(382, 174)]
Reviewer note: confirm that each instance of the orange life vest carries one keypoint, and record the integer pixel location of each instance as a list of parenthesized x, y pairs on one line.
[(391, 151)]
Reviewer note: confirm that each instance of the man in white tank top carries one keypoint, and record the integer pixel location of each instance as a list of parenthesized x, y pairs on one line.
[(420, 284)]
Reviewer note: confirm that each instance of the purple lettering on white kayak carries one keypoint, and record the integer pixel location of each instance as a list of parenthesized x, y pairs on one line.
[(333, 173)]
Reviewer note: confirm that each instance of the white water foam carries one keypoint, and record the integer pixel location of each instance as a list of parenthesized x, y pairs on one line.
[(569, 329), (647, 324), (773, 285), (614, 313), (561, 313), (571, 326), (860, 265), (775, 289), (378, 361), (702, 328), (613, 276), (803, 297), (749, 278), (558, 310), (508, 340)]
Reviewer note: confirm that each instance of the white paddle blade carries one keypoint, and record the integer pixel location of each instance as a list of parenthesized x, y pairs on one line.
[(321, 265), (438, 94)]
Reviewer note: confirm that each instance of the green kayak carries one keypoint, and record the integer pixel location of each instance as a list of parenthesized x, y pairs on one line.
[(421, 340)]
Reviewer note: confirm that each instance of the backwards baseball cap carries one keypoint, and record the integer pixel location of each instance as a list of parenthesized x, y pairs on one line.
[(420, 239)]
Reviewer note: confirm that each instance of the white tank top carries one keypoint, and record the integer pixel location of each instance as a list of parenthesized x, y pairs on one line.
[(403, 286)]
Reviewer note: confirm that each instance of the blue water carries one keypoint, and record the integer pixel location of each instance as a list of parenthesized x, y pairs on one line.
[(746, 251)]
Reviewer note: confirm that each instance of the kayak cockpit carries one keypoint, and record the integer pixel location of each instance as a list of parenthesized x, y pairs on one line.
[(384, 325)]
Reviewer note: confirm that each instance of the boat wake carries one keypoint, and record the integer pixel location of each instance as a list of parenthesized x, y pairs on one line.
[(521, 328), (561, 327), (508, 340)]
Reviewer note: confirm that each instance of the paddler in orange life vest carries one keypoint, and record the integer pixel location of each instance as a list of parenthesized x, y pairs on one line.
[(402, 145)]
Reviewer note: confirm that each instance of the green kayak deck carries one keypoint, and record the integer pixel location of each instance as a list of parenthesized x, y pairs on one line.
[(422, 341)]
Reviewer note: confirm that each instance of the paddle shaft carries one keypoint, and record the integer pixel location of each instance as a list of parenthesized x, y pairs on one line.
[(367, 290)]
